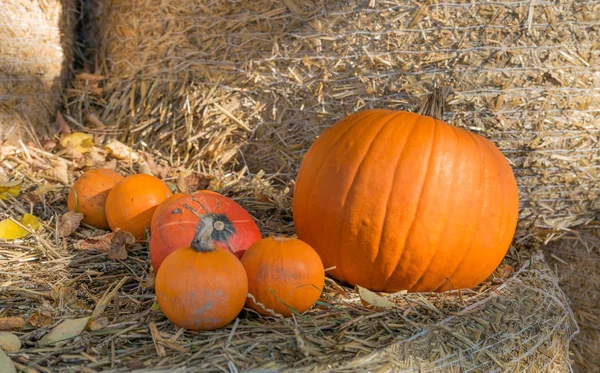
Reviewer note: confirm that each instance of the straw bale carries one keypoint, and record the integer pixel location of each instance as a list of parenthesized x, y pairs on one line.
[(252, 83), (519, 323), (242, 88), (36, 53), (575, 257)]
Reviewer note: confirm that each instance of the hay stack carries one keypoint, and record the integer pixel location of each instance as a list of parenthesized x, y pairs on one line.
[(248, 85), (210, 81), (576, 259), (36, 42), (519, 322)]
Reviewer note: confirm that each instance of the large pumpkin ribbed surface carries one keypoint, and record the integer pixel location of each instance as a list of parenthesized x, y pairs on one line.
[(400, 201)]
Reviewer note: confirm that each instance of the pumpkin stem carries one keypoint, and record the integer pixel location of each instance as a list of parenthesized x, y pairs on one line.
[(434, 104), (202, 241)]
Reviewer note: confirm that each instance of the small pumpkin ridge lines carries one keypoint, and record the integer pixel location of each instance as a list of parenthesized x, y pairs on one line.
[(448, 204), (353, 183), (482, 206), (387, 203), (427, 173)]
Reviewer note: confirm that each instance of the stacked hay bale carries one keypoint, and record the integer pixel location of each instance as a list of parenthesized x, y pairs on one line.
[(208, 79), (36, 43), (575, 257), (236, 85)]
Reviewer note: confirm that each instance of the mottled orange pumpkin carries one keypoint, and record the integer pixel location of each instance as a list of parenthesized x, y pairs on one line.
[(175, 221), (132, 202), (88, 195), (201, 287), (283, 274), (400, 201)]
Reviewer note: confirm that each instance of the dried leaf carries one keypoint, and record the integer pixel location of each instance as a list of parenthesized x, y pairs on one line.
[(41, 318), (121, 151), (44, 189), (79, 141), (144, 168), (148, 282), (73, 154), (115, 244), (191, 182), (61, 125), (373, 299), (111, 165), (97, 324), (10, 323), (12, 188), (501, 274), (9, 230), (6, 364), (49, 144), (118, 253), (157, 170), (9, 342), (68, 223), (94, 121), (95, 159), (64, 294), (64, 331), (59, 171)]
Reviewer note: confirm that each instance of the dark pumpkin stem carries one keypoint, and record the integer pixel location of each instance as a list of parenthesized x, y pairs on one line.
[(202, 241), (434, 104)]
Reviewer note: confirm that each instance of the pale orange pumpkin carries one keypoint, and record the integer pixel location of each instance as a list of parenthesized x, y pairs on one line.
[(201, 287), (88, 195), (131, 203), (284, 274), (400, 201)]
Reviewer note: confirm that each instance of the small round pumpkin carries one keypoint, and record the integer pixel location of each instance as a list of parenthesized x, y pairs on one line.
[(175, 221), (283, 274), (132, 202), (88, 195), (201, 287), (401, 201)]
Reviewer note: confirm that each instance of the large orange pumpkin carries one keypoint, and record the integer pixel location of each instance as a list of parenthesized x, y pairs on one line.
[(88, 195), (400, 201), (283, 274), (175, 221), (132, 202), (201, 287)]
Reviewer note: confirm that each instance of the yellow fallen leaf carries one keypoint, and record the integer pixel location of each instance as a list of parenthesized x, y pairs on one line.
[(11, 187), (373, 299), (9, 230), (44, 189), (82, 142), (121, 151)]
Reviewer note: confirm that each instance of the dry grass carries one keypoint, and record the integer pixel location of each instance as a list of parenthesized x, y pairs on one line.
[(36, 53), (247, 86), (238, 83), (239, 90), (519, 323), (575, 256)]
